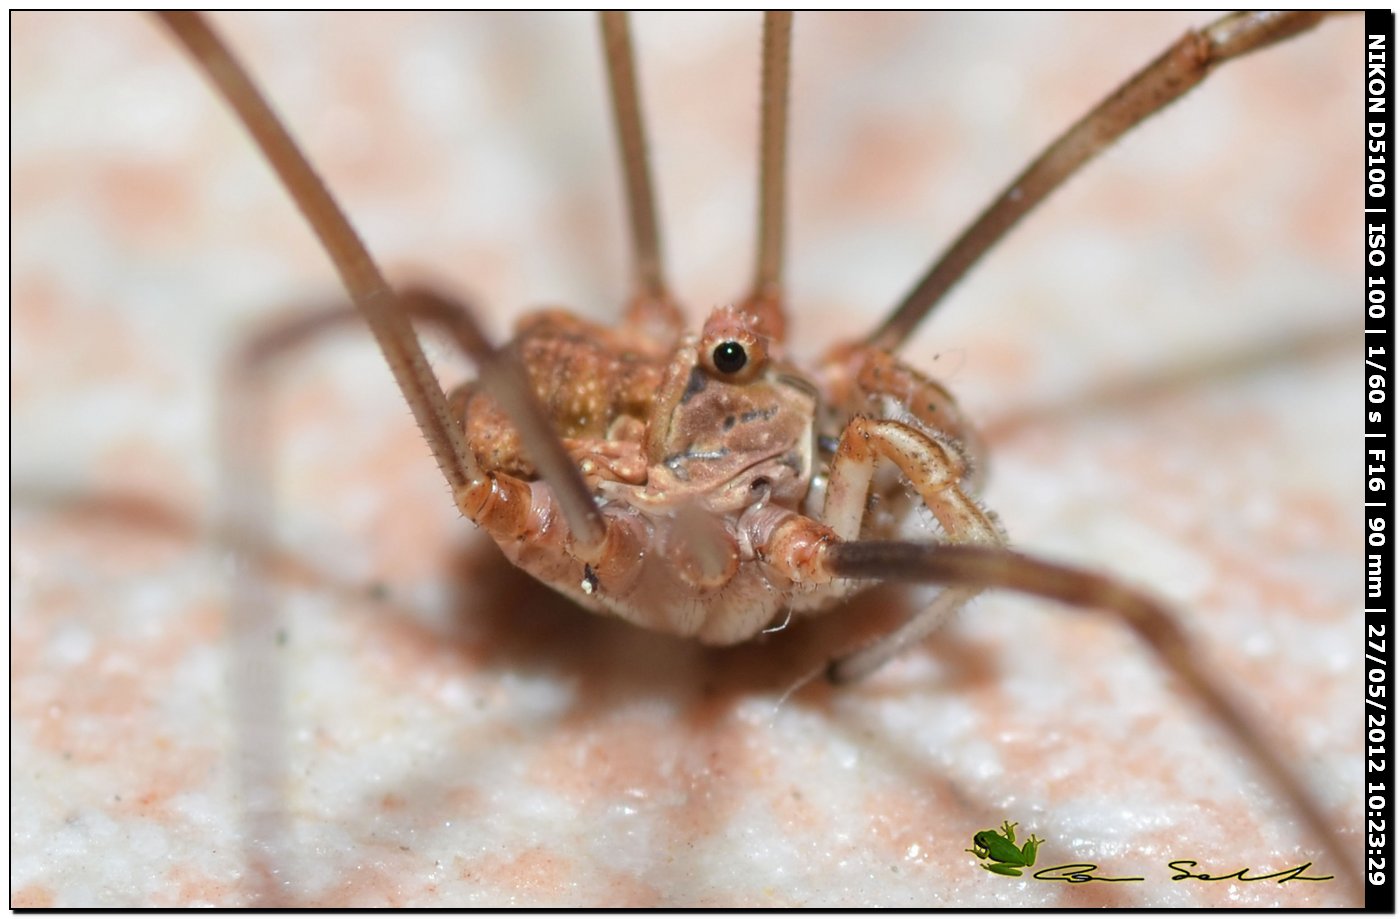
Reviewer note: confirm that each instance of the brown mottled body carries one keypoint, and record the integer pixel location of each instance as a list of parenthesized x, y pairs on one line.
[(595, 382), (704, 466)]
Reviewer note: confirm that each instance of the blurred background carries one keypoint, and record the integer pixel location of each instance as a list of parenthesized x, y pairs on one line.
[(1162, 360)]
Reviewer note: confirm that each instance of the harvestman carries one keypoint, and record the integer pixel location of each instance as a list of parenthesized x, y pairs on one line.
[(625, 465)]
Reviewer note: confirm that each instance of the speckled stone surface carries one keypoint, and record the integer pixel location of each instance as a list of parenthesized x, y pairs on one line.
[(1164, 362)]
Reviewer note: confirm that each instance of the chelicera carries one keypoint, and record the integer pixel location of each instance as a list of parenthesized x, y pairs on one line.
[(699, 483)]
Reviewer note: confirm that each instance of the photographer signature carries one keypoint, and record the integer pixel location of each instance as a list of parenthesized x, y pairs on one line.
[(998, 851), (1082, 873)]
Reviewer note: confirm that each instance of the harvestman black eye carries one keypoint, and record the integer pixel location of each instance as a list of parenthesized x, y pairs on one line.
[(730, 357)]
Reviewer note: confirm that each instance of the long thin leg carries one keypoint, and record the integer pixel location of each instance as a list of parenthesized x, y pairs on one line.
[(652, 306), (982, 567), (254, 621), (360, 275), (385, 312), (1181, 67), (765, 301)]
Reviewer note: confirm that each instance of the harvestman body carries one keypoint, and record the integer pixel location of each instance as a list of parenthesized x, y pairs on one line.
[(701, 485)]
